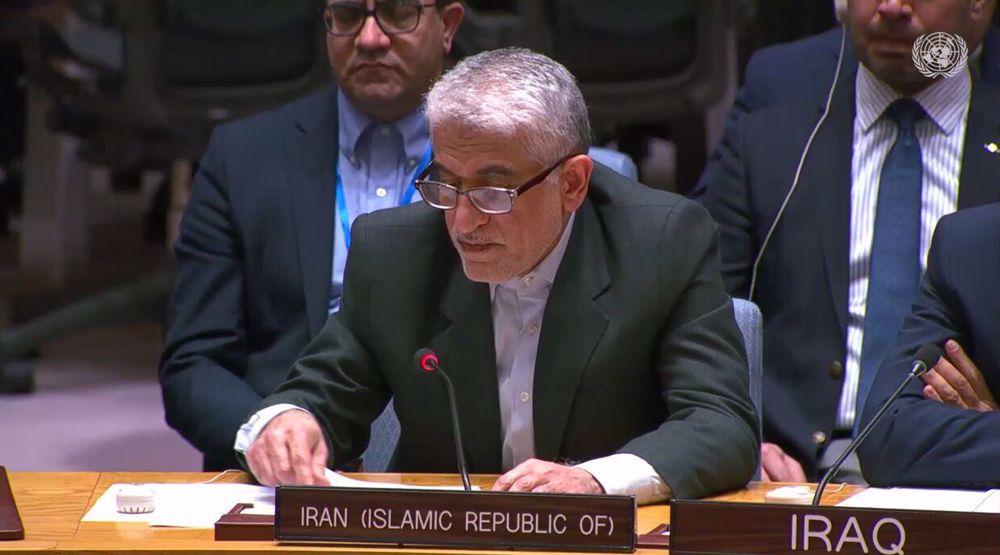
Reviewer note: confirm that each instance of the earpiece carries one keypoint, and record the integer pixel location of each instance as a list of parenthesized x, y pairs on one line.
[(802, 158)]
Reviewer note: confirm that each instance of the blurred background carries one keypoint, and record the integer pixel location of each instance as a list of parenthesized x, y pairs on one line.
[(106, 106)]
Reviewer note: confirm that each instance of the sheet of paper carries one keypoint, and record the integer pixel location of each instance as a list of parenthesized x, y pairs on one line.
[(926, 499), (338, 480), (184, 505), (201, 505)]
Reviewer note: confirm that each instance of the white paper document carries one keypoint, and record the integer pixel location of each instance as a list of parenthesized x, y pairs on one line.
[(201, 505), (338, 480), (184, 505), (926, 500)]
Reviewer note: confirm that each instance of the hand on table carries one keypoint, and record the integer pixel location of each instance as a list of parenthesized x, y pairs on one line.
[(290, 450), (955, 380), (547, 477), (777, 466)]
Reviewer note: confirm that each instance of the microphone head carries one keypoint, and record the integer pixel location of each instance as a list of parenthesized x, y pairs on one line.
[(426, 360), (928, 355)]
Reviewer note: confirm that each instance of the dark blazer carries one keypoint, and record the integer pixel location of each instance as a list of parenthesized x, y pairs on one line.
[(803, 280), (253, 269), (803, 71), (923, 443), (639, 349)]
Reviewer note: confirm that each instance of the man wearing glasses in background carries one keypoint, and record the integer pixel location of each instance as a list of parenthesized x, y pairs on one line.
[(264, 239), (581, 316)]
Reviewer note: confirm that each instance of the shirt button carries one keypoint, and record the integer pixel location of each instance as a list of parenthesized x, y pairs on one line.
[(836, 370), (819, 438), (533, 329), (386, 130), (411, 162), (353, 160), (528, 280), (381, 192), (525, 396)]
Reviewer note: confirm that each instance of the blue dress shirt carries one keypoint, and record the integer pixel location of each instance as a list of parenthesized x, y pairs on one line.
[(376, 163)]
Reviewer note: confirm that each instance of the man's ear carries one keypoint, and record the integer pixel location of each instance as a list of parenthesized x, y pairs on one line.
[(980, 9), (451, 16), (576, 181)]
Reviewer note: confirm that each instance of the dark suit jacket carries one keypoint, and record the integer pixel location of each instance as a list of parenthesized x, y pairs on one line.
[(639, 349), (925, 443), (803, 280), (253, 269), (803, 71)]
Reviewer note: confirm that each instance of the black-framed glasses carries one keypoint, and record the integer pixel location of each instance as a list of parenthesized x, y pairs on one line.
[(488, 200), (394, 17)]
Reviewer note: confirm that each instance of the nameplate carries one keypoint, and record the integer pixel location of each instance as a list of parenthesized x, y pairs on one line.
[(491, 520), (11, 527), (775, 529)]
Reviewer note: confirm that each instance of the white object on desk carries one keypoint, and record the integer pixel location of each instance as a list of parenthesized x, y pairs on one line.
[(201, 505), (790, 495), (182, 505), (338, 480), (135, 499), (926, 500)]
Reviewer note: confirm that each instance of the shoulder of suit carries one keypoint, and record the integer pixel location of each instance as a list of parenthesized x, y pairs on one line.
[(788, 56), (610, 192), (974, 226), (308, 108), (412, 218), (969, 237)]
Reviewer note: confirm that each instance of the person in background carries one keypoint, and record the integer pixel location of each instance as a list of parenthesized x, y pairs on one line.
[(835, 263), (945, 431)]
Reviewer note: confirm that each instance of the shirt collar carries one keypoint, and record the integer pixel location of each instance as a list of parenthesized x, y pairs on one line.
[(352, 124), (938, 99), (543, 276)]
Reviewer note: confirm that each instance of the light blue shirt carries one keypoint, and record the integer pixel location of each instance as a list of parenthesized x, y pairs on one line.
[(377, 163), (517, 307)]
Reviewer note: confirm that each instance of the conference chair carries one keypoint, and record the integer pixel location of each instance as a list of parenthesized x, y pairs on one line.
[(645, 67), (751, 323), (142, 83)]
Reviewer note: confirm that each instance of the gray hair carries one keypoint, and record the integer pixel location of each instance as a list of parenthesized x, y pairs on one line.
[(510, 91)]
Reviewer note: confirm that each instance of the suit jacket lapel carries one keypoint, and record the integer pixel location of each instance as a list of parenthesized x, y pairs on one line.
[(312, 152), (979, 181), (572, 325), (827, 178), (467, 352)]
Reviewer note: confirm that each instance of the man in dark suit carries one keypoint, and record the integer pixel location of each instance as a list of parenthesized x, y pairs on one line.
[(804, 69), (581, 316), (264, 237), (946, 432), (813, 279)]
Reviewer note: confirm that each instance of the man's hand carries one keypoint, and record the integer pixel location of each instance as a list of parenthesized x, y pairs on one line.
[(546, 477), (776, 466), (955, 380), (291, 449)]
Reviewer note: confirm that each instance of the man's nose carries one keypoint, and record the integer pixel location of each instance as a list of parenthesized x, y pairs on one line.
[(371, 36), (895, 8), (468, 218)]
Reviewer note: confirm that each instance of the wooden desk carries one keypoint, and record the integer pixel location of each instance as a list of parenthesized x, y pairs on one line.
[(52, 504)]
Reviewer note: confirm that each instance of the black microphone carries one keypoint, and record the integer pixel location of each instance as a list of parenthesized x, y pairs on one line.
[(427, 361), (925, 359)]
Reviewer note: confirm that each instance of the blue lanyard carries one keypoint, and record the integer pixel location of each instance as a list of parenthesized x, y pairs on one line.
[(407, 198)]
